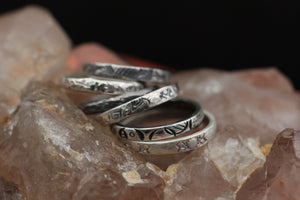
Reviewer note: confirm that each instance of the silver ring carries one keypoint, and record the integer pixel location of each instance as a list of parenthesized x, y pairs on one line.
[(103, 103), (184, 143), (131, 129), (139, 104), (100, 85), (145, 74)]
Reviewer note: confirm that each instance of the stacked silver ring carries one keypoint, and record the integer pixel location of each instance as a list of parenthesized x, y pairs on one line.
[(147, 119)]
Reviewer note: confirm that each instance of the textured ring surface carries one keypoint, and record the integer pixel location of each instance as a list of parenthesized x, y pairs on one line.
[(103, 103), (100, 85), (190, 121), (139, 104), (145, 74), (184, 143)]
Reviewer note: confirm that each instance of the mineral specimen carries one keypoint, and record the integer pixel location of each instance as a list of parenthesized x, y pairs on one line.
[(33, 47), (51, 150), (279, 177), (249, 100), (215, 171)]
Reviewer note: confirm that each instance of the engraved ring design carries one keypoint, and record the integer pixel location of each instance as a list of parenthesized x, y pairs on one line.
[(139, 104), (145, 74), (100, 85), (190, 111), (102, 103), (184, 143)]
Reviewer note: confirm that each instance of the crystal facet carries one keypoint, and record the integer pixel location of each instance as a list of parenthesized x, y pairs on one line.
[(217, 170), (279, 178), (51, 150), (33, 47)]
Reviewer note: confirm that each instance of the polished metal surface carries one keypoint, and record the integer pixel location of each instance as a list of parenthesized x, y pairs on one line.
[(145, 74), (139, 104), (169, 130), (100, 85), (186, 142)]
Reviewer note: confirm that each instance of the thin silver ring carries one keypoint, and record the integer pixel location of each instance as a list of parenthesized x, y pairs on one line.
[(152, 133), (178, 144), (139, 104), (100, 85), (145, 74), (104, 103)]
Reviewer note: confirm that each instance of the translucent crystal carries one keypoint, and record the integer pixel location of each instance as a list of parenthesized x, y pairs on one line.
[(279, 178), (33, 47), (215, 171), (51, 150), (261, 103)]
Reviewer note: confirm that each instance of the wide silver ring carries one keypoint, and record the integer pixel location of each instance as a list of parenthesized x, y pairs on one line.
[(132, 128), (139, 104), (184, 143), (100, 85), (145, 74), (102, 103)]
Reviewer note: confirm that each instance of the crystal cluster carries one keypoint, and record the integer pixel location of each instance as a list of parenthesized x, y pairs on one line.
[(215, 171), (33, 47), (279, 178), (50, 150), (261, 103)]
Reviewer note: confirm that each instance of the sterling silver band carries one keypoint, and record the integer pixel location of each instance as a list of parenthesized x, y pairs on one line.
[(130, 129), (144, 74), (104, 103), (100, 85), (184, 143), (139, 104)]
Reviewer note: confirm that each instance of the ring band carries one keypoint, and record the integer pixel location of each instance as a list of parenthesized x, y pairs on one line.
[(103, 103), (100, 85), (145, 74), (191, 121), (179, 144), (139, 104)]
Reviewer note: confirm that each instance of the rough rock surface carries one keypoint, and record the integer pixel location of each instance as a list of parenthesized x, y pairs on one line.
[(51, 150), (260, 103), (215, 171), (251, 107), (279, 178), (33, 47), (9, 191)]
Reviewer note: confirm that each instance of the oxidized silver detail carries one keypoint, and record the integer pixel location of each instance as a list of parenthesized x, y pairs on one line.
[(145, 74), (177, 144), (103, 103), (164, 131), (139, 104), (100, 85)]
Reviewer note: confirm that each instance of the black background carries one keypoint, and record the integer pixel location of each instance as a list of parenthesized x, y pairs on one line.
[(220, 34)]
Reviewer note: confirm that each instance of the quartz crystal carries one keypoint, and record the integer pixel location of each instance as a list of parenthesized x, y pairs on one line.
[(261, 103), (51, 150), (33, 47), (279, 178), (215, 171)]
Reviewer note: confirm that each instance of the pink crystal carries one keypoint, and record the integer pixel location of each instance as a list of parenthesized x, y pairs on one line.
[(279, 178), (33, 47), (51, 150), (215, 171), (259, 109)]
